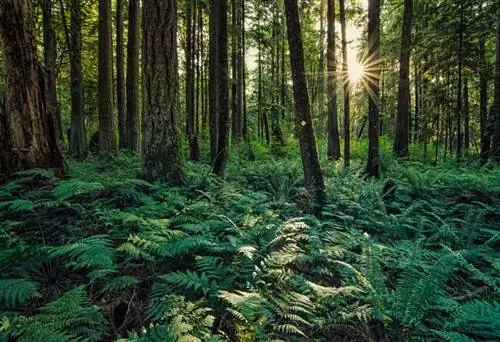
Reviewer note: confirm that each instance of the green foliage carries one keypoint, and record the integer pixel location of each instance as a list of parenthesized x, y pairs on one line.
[(102, 255)]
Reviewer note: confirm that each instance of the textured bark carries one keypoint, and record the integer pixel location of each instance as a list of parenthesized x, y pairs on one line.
[(496, 135), (107, 140), (333, 126), (403, 110), (161, 149), (78, 140), (347, 101), (310, 162), (466, 116), (50, 57), (483, 103), (373, 165), (223, 122), (27, 127), (459, 88), (321, 72), (132, 81), (215, 9), (120, 77)]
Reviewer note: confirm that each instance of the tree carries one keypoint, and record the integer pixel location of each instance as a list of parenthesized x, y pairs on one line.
[(309, 155), (120, 77), (190, 84), (78, 140), (132, 82), (50, 57), (222, 88), (28, 134), (347, 102), (496, 135), (403, 110), (213, 90), (373, 165), (161, 148), (333, 127), (107, 140), (483, 102)]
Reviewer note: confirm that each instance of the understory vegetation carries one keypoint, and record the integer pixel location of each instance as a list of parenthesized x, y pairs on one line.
[(104, 256)]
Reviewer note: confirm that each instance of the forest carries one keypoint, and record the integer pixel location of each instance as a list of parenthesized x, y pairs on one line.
[(259, 170)]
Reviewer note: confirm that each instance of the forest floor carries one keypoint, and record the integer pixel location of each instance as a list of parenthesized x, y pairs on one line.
[(102, 255)]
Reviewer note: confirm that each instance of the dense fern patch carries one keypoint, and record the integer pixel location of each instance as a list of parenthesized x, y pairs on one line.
[(102, 256)]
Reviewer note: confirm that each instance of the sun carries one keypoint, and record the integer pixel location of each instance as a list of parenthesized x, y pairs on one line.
[(356, 71)]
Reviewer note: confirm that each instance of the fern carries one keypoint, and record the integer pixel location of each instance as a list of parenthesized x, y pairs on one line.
[(17, 291)]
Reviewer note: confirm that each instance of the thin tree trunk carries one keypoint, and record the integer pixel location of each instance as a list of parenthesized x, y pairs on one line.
[(133, 114), (120, 77), (347, 105), (107, 139), (310, 162), (321, 72), (373, 165), (215, 9), (483, 102), (496, 136), (28, 133), (190, 117), (459, 91), (403, 111), (466, 116), (333, 127), (161, 148)]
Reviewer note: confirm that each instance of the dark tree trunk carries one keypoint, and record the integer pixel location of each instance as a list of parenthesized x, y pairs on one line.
[(222, 91), (496, 135), (418, 79), (310, 162), (483, 103), (373, 165), (120, 77), (107, 140), (321, 72), (240, 61), (213, 91), (28, 134), (194, 153), (459, 89), (77, 139), (50, 57), (403, 111), (333, 126), (161, 148), (347, 102), (132, 86)]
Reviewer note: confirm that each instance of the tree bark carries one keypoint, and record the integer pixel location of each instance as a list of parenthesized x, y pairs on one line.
[(466, 116), (132, 81), (403, 111), (459, 88), (373, 165), (120, 77), (194, 152), (333, 126), (222, 90), (50, 57), (347, 102), (107, 139), (483, 103), (496, 135), (28, 134), (310, 162), (161, 148), (215, 9)]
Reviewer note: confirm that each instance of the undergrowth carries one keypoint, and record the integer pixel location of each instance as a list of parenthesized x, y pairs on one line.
[(103, 256)]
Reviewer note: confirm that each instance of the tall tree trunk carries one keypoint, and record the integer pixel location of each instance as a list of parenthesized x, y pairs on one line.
[(321, 72), (347, 102), (28, 133), (234, 70), (373, 165), (161, 148), (403, 111), (418, 79), (213, 90), (240, 62), (310, 162), (483, 102), (333, 126), (223, 91), (78, 138), (50, 57), (190, 85), (132, 81), (107, 140), (496, 135), (459, 89), (120, 77)]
